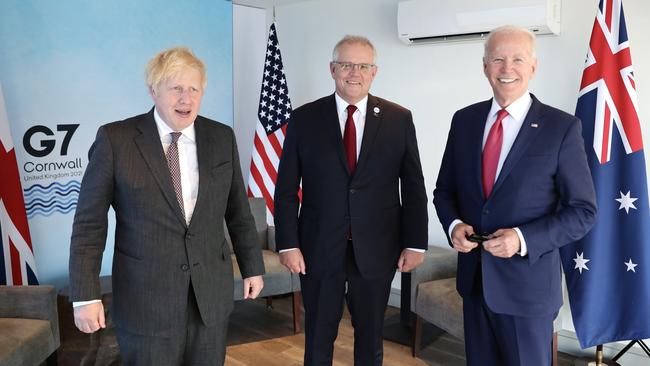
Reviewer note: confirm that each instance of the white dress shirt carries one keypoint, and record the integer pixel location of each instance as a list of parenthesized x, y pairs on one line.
[(189, 166), (359, 117), (187, 160), (512, 123)]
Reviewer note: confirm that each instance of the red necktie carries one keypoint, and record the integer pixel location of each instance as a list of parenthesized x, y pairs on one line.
[(350, 140), (491, 153)]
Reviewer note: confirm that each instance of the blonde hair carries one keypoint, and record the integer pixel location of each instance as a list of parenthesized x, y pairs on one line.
[(168, 63)]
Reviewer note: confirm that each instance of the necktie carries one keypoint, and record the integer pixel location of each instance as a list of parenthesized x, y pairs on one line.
[(491, 153), (175, 169), (350, 140)]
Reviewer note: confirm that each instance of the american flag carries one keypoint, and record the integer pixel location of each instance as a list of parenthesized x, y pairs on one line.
[(17, 264), (608, 271), (273, 115)]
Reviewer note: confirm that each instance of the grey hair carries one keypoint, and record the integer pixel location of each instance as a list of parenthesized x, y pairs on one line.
[(352, 39), (509, 29)]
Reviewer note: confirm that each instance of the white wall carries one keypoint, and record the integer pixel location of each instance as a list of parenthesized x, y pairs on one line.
[(436, 80), (249, 46)]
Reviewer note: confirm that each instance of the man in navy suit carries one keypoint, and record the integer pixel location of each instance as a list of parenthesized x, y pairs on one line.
[(515, 173), (363, 212)]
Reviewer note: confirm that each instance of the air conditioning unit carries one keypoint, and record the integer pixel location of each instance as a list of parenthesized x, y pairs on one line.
[(433, 21)]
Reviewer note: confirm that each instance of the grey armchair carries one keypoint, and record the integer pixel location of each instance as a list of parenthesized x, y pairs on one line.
[(29, 325), (433, 294), (277, 280)]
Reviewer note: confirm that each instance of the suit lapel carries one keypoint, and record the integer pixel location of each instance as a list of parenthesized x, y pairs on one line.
[(148, 142), (526, 134), (333, 127), (205, 155), (373, 117)]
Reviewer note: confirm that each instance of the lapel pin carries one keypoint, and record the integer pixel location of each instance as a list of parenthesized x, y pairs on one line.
[(534, 125), (376, 111)]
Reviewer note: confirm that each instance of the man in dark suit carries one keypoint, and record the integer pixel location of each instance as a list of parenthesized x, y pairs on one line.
[(515, 171), (352, 152), (172, 177)]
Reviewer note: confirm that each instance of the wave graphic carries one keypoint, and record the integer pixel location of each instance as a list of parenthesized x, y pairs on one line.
[(54, 187), (55, 197)]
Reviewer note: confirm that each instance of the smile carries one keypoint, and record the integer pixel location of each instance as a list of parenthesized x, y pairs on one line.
[(506, 80)]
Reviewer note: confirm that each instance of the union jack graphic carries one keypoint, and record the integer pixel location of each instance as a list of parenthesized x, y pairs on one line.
[(608, 69), (17, 264)]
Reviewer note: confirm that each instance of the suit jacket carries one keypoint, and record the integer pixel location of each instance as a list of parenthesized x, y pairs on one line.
[(544, 188), (369, 204), (156, 253)]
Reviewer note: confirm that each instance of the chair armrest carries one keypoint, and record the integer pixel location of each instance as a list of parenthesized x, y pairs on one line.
[(30, 302), (270, 238), (439, 263)]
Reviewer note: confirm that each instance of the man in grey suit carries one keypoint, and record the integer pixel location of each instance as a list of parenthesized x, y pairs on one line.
[(172, 177)]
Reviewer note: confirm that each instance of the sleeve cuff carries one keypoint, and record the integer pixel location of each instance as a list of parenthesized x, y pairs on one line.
[(286, 250), (82, 303), (452, 226), (523, 249), (417, 250)]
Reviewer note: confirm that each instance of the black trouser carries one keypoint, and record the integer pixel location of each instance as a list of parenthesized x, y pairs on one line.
[(323, 299)]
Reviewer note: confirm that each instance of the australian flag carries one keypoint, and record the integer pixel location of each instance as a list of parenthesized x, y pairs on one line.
[(608, 271)]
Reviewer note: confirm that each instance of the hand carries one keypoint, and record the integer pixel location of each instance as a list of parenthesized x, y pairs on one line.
[(253, 286), (89, 318), (409, 259), (459, 238), (504, 243), (293, 260)]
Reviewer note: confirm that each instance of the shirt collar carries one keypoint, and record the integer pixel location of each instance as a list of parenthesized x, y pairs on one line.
[(516, 109), (341, 105), (164, 130)]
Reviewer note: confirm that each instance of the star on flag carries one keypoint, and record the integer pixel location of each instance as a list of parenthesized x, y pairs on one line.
[(581, 262), (630, 266), (626, 202)]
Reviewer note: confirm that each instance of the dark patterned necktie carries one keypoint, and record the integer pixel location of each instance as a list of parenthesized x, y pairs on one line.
[(350, 140), (175, 169)]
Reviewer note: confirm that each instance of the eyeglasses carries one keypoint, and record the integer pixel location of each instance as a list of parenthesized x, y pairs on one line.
[(349, 66)]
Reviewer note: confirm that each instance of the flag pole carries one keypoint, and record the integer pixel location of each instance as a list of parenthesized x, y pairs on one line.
[(599, 357)]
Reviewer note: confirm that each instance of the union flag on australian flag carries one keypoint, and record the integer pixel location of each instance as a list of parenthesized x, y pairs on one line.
[(608, 271), (17, 264)]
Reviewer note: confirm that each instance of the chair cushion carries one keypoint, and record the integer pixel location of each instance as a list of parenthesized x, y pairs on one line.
[(439, 303), (277, 279), (258, 209), (25, 341)]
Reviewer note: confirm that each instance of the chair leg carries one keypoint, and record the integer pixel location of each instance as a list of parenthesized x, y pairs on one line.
[(554, 350), (269, 302), (417, 336), (52, 359), (297, 299)]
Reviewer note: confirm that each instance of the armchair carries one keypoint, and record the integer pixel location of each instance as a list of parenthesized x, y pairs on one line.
[(29, 325), (277, 280)]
